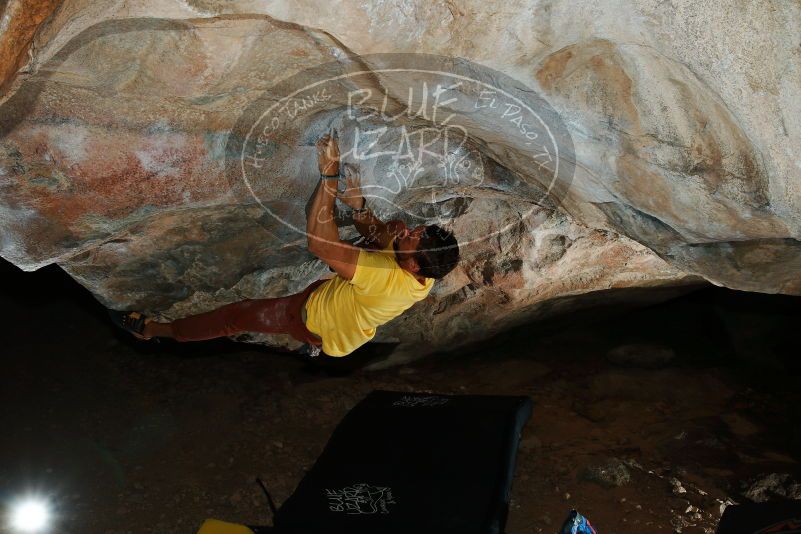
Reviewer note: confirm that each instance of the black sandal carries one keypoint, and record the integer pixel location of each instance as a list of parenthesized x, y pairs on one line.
[(131, 321)]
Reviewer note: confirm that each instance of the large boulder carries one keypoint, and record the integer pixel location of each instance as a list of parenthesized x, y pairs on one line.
[(129, 153)]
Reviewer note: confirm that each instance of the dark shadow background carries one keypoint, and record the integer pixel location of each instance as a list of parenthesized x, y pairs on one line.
[(77, 422), (754, 334)]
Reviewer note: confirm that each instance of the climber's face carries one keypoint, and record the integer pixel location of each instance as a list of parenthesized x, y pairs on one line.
[(406, 244)]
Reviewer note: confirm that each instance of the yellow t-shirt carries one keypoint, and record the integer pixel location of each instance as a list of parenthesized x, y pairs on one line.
[(345, 313)]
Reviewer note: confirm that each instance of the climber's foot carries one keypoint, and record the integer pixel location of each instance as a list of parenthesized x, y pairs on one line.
[(131, 321), (309, 350)]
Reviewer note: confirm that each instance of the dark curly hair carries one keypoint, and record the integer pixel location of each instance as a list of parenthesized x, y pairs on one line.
[(437, 252)]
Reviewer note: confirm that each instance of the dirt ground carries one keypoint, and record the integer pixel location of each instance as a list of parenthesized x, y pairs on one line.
[(128, 437)]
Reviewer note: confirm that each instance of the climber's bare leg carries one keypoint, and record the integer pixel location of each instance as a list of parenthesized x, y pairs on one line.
[(269, 316), (154, 329)]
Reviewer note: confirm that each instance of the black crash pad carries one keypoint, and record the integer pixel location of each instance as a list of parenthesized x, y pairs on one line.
[(412, 463), (776, 517)]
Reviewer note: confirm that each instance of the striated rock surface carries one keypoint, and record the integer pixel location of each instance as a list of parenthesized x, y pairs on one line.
[(123, 125)]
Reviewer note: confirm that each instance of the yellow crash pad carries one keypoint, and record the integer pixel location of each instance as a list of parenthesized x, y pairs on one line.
[(213, 526)]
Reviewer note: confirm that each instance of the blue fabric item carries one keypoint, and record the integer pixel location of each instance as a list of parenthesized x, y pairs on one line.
[(577, 524)]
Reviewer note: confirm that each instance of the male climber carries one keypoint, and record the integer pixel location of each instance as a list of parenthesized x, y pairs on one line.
[(370, 288)]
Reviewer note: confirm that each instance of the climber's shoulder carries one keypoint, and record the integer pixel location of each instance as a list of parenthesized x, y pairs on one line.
[(339, 255)]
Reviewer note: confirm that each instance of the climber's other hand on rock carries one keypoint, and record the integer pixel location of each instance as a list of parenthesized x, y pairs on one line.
[(352, 195), (328, 155)]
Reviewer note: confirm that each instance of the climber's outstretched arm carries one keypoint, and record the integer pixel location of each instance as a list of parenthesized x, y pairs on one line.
[(377, 234), (321, 228)]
